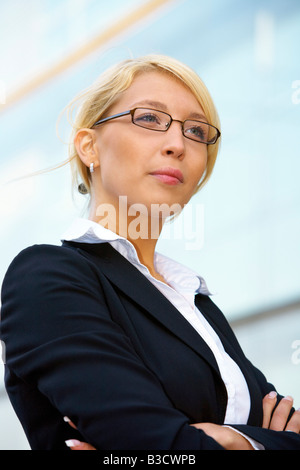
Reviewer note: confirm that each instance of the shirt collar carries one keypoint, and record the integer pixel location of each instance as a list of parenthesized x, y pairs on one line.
[(177, 275)]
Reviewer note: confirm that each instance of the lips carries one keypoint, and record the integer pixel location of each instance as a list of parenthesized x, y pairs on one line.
[(168, 175)]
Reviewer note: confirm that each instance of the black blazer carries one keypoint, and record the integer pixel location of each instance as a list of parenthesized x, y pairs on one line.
[(89, 337)]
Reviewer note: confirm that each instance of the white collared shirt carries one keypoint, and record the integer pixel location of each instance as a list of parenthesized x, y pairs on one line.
[(182, 286)]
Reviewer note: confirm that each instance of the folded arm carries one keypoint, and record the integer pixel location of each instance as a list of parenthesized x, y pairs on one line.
[(60, 338)]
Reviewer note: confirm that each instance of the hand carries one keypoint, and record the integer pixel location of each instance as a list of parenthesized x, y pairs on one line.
[(226, 437), (279, 420), (74, 444)]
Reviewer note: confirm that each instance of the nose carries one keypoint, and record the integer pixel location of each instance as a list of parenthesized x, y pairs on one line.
[(174, 141)]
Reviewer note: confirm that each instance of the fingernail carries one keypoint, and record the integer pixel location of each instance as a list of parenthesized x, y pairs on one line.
[(272, 395), (288, 397), (72, 443)]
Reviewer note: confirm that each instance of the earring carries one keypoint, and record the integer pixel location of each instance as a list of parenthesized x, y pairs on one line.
[(92, 168), (82, 189)]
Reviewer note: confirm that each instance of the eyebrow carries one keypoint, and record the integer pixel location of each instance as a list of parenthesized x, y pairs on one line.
[(200, 117), (156, 104), (162, 107)]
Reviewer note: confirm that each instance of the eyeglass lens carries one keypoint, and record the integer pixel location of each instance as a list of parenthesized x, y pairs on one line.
[(160, 121)]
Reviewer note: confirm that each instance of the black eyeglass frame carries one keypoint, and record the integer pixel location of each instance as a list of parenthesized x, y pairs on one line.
[(132, 111)]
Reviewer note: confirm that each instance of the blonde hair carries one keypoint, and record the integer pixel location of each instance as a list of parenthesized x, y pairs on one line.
[(94, 102)]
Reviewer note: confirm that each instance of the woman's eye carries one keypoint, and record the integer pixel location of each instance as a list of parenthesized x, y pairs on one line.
[(151, 118), (198, 132)]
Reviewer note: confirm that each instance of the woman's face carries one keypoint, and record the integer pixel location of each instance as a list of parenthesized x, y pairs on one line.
[(131, 160)]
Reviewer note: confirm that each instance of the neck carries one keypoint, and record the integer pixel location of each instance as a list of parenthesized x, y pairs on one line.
[(140, 229)]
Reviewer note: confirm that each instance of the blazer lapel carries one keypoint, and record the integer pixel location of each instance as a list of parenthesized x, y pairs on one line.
[(133, 283)]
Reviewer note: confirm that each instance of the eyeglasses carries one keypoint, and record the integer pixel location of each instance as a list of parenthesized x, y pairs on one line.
[(159, 121)]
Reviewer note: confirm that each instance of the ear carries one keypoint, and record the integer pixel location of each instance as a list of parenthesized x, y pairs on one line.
[(85, 143)]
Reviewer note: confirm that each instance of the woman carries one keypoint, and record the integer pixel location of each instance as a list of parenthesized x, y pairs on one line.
[(125, 342)]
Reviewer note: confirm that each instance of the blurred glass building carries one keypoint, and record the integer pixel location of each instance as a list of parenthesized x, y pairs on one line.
[(247, 53)]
